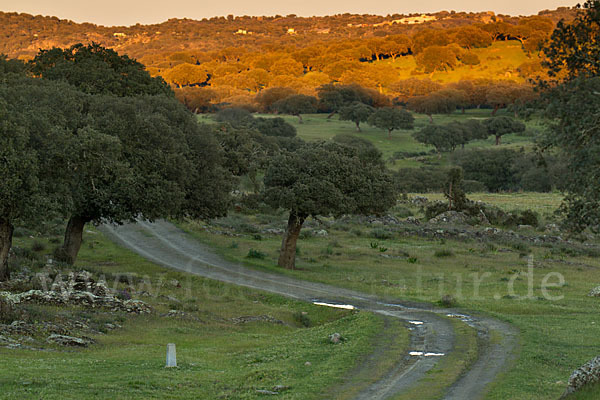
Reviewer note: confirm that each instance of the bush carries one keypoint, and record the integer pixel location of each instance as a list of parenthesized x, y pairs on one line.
[(302, 318), (528, 217), (443, 253), (381, 234), (235, 116), (8, 312), (252, 253), (470, 186), (274, 127), (420, 180), (38, 246), (494, 168)]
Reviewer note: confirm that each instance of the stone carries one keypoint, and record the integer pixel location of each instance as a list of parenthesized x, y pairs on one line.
[(65, 340), (522, 227), (171, 356), (335, 338), (308, 363), (587, 374), (321, 233), (595, 292), (450, 217), (266, 392), (412, 220), (419, 200)]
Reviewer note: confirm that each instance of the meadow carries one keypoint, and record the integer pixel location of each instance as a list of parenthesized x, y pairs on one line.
[(231, 342)]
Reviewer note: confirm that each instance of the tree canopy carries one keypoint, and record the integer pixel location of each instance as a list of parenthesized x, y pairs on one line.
[(391, 118), (324, 179)]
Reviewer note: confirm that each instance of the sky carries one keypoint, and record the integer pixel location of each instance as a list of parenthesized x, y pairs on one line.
[(130, 12)]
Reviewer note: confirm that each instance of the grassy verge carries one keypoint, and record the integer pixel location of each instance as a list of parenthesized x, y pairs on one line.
[(218, 356), (558, 326)]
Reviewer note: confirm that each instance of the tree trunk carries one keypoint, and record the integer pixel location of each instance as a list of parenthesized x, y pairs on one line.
[(495, 110), (331, 114), (6, 232), (287, 255), (73, 238), (498, 140), (299, 118), (389, 133), (430, 118), (358, 127)]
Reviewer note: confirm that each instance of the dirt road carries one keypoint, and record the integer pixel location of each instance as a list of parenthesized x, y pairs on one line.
[(432, 335)]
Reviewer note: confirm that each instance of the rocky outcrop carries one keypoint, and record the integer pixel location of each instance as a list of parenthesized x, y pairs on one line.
[(587, 374)]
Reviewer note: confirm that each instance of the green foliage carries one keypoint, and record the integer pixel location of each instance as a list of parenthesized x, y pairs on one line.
[(391, 118), (296, 104), (275, 127), (499, 126), (252, 253), (356, 112), (236, 116), (95, 69), (575, 47), (453, 190), (327, 179)]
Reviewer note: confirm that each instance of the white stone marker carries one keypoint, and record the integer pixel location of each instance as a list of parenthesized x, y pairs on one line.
[(171, 356)]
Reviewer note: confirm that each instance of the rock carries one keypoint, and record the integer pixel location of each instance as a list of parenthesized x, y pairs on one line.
[(412, 220), (587, 374), (273, 231), (175, 283), (419, 200), (450, 217), (259, 318), (552, 228), (335, 338), (522, 227), (280, 388), (595, 292), (308, 363), (266, 392), (321, 233), (65, 340)]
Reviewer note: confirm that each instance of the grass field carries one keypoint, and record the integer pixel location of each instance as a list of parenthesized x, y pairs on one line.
[(558, 325), (319, 127), (217, 357), (499, 61)]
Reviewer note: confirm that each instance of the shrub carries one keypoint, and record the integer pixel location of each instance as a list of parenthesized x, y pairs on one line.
[(447, 301), (38, 246), (443, 253), (302, 318), (8, 312), (381, 234), (252, 253)]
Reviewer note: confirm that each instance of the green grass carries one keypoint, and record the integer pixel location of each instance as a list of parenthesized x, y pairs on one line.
[(217, 358), (556, 336), (319, 127)]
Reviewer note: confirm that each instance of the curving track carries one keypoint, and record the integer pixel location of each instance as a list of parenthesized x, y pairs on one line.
[(167, 245)]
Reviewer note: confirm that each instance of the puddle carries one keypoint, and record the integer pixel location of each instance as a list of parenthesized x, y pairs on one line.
[(416, 322), (342, 306)]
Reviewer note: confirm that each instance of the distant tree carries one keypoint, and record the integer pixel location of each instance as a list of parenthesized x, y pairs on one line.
[(296, 105), (95, 69), (437, 136), (357, 113), (186, 75), (391, 118), (453, 189), (324, 179), (499, 126), (434, 103), (236, 116), (472, 37), (412, 87), (274, 127), (429, 37), (197, 100), (267, 97), (437, 58)]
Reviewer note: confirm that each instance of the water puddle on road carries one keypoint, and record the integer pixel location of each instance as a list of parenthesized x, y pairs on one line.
[(342, 306)]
